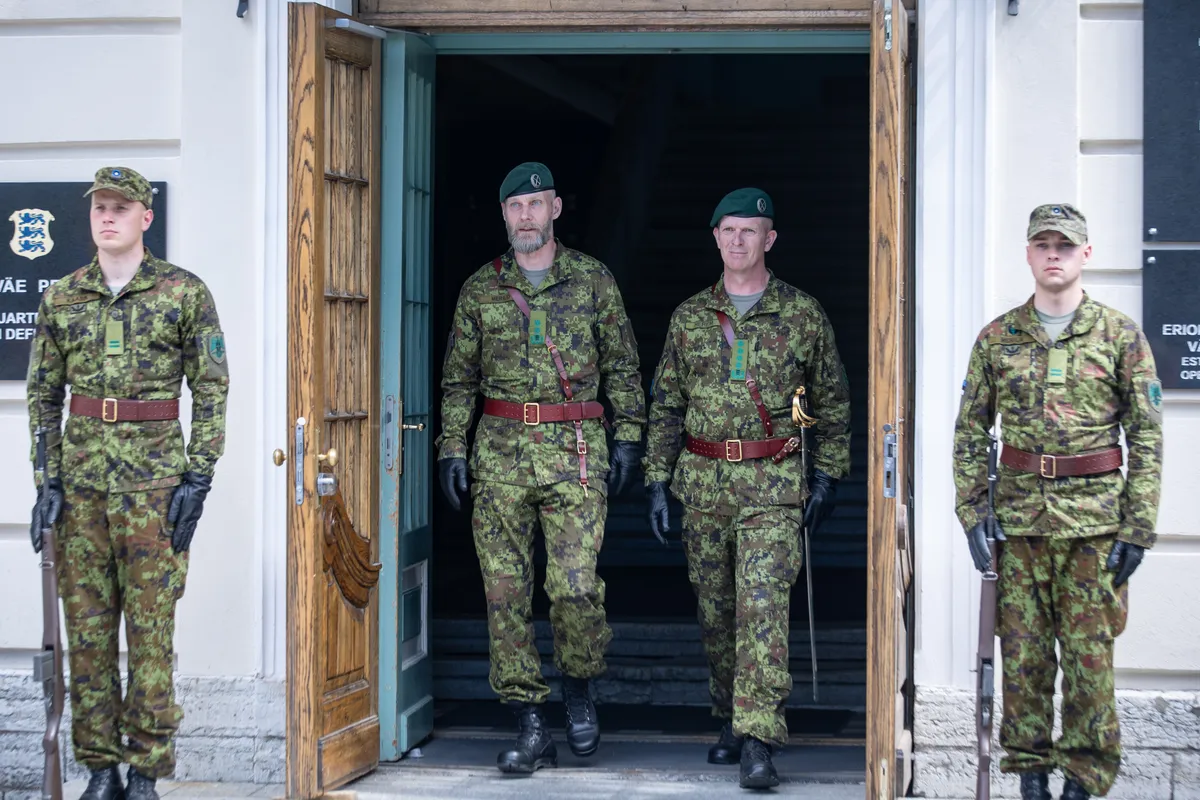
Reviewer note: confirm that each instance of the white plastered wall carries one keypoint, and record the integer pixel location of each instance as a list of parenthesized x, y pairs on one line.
[(1015, 111), (112, 83)]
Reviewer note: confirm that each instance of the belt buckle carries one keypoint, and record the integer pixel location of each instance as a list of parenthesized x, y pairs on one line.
[(1053, 466), (729, 443), (104, 409), (581, 448), (537, 414)]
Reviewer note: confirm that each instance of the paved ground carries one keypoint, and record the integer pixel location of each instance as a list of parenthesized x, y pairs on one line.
[(486, 784), (460, 769), (462, 784)]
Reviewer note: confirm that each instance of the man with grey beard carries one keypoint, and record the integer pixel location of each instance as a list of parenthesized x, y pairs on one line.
[(539, 332)]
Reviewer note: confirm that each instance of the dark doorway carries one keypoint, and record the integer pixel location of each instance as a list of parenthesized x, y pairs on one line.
[(642, 147)]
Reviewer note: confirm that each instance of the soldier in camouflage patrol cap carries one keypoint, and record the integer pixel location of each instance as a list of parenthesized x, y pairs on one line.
[(722, 436), (123, 333), (1067, 375), (541, 325)]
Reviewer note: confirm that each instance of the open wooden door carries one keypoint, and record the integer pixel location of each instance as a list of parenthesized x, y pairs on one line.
[(333, 390), (889, 548)]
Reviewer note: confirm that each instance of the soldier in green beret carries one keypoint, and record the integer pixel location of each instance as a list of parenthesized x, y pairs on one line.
[(123, 333), (1067, 375), (539, 332), (725, 434)]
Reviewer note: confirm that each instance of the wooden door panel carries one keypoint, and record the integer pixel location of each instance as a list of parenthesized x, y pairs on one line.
[(333, 723), (888, 750)]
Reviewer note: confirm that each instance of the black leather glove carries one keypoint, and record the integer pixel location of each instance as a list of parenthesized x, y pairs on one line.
[(977, 541), (822, 498), (453, 475), (1124, 559), (622, 462), (187, 504), (52, 492), (660, 522)]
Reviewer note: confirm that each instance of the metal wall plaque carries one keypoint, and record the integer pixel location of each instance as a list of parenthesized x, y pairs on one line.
[(1171, 315), (1171, 115), (50, 238)]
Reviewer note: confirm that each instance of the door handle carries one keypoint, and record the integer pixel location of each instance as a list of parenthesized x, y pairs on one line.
[(330, 458), (418, 427)]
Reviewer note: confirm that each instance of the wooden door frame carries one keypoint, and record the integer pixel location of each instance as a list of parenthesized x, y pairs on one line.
[(611, 16)]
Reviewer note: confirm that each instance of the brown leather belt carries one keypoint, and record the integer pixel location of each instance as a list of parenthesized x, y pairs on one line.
[(1049, 466), (111, 409), (741, 449), (537, 413)]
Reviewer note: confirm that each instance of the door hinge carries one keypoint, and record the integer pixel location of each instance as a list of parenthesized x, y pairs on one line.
[(887, 24), (889, 461)]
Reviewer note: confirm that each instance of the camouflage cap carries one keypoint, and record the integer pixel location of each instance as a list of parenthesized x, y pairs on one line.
[(125, 182), (1066, 219), (527, 178), (747, 202)]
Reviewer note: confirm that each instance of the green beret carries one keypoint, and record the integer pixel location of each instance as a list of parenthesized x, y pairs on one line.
[(125, 182), (527, 178), (1062, 217), (747, 202)]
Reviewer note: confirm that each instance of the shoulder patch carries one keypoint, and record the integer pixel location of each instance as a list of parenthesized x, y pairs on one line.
[(215, 347), (1154, 394)]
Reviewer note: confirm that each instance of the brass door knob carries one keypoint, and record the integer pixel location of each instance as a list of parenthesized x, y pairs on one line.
[(278, 457), (417, 427), (330, 458)]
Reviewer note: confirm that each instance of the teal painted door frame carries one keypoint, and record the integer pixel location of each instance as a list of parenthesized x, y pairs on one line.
[(405, 639)]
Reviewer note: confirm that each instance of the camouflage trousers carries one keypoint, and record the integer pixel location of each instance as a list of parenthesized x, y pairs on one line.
[(742, 566), (115, 557), (505, 520), (1057, 589)]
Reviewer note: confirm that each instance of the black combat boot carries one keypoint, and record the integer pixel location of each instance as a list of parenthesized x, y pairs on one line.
[(140, 787), (535, 749), (583, 726), (1073, 791), (1035, 786), (757, 770), (728, 749), (105, 784)]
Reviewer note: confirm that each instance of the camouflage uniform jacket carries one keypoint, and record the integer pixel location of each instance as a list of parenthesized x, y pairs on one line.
[(790, 344), (489, 353), (1110, 383), (170, 331)]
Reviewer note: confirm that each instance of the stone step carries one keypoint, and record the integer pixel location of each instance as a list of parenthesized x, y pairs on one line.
[(615, 687), (651, 631), (650, 649), (688, 669)]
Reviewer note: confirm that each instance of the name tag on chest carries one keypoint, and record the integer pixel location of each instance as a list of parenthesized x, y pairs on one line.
[(1056, 369)]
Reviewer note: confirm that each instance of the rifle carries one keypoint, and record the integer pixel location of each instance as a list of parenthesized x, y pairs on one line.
[(48, 664), (985, 668)]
